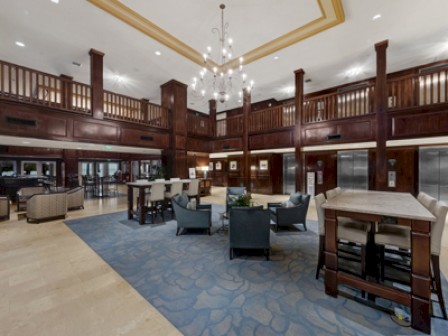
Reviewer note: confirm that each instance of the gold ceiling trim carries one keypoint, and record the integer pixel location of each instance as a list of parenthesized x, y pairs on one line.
[(331, 10)]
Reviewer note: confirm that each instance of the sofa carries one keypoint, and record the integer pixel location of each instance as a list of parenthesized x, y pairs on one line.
[(75, 198), (41, 207), (290, 212), (4, 207), (25, 193)]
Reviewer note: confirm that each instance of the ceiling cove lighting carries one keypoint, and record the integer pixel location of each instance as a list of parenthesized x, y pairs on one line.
[(20, 44), (216, 80)]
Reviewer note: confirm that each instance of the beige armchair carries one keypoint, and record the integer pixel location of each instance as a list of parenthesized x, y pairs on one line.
[(75, 198), (25, 193), (4, 207), (46, 206)]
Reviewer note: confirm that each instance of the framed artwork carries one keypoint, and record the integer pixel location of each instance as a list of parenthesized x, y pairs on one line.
[(233, 165), (218, 165), (192, 173), (263, 164), (210, 166)]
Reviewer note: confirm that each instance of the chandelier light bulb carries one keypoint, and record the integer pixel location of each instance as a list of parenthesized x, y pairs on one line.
[(230, 41), (224, 51), (230, 72), (215, 94), (252, 83), (244, 77), (215, 70), (241, 60), (203, 93), (209, 49), (229, 55), (227, 97), (205, 57)]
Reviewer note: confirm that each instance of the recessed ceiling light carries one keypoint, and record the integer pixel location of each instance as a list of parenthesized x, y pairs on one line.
[(376, 17), (276, 57), (158, 53), (20, 44), (55, 1)]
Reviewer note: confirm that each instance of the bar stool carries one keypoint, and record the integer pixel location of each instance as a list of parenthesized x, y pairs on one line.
[(349, 231), (176, 189), (399, 237), (193, 190), (155, 200)]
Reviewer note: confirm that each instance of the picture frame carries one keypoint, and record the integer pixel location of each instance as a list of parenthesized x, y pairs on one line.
[(264, 165), (218, 165), (233, 165), (192, 173), (210, 166)]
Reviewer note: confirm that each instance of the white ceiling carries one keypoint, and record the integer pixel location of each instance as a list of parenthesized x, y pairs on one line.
[(56, 35)]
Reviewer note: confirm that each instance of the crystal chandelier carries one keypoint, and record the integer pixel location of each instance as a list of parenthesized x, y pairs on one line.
[(220, 80)]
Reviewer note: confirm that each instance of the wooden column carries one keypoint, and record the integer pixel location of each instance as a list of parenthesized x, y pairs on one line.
[(144, 109), (174, 98), (66, 91), (381, 116), (299, 75), (96, 83), (246, 153), (212, 111)]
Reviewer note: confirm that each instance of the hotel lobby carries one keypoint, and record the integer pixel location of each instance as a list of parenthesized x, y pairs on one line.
[(278, 98)]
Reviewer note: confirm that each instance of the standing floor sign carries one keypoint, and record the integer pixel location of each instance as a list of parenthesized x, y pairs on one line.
[(310, 181)]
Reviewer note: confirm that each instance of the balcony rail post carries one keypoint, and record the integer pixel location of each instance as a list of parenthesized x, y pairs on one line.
[(66, 91), (299, 76), (96, 82)]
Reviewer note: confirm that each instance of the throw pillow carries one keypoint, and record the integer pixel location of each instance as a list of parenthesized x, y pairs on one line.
[(295, 198), (182, 200), (192, 204), (232, 199), (288, 204)]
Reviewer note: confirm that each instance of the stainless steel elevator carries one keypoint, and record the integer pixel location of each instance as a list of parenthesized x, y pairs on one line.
[(433, 172), (289, 173), (353, 169)]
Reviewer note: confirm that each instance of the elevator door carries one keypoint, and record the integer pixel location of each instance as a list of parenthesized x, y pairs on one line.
[(289, 173), (353, 169), (433, 172)]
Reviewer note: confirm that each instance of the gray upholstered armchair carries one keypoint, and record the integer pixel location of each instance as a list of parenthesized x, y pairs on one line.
[(232, 194), (199, 218), (292, 212), (249, 228), (75, 198)]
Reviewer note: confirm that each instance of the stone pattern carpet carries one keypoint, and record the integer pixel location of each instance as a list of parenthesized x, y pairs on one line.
[(192, 282)]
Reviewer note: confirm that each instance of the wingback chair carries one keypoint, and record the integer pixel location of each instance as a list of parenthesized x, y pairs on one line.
[(4, 207), (249, 228), (232, 194), (397, 236), (199, 218), (293, 212)]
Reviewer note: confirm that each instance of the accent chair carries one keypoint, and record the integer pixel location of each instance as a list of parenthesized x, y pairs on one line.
[(291, 212), (199, 218)]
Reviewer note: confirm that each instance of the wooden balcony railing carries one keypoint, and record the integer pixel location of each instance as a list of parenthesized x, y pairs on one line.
[(81, 97), (230, 126), (199, 125), (125, 108), (339, 105), (23, 84), (272, 118), (423, 89)]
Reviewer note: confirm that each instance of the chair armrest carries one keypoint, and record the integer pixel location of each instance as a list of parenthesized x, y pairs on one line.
[(274, 205)]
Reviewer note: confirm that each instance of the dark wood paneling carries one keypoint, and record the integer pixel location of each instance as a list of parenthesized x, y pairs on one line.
[(271, 140), (406, 168), (349, 131), (198, 145), (135, 137), (83, 130), (416, 125), (233, 144), (325, 162), (180, 142)]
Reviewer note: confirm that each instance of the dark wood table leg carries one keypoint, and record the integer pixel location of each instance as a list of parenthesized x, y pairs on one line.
[(130, 201), (420, 276), (142, 205), (331, 257)]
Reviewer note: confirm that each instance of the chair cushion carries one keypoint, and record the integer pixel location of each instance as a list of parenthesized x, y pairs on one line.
[(192, 204), (393, 235), (295, 198), (353, 232)]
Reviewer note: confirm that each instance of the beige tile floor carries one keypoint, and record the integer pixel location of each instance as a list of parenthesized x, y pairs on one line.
[(52, 283)]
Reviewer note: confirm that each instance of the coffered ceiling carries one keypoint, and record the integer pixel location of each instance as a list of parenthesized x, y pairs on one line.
[(332, 40)]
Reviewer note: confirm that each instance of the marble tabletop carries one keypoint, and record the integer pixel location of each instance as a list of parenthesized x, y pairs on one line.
[(393, 204)]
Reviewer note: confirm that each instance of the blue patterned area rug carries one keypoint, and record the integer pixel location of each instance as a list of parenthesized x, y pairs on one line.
[(192, 282)]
